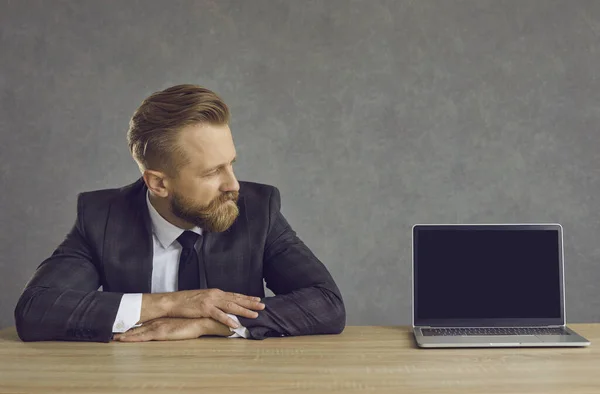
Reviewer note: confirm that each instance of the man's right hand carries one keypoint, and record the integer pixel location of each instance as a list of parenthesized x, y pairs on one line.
[(213, 303)]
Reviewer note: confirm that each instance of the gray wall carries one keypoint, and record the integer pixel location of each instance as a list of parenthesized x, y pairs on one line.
[(368, 115)]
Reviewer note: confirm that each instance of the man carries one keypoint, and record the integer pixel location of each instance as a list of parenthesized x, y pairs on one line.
[(182, 252)]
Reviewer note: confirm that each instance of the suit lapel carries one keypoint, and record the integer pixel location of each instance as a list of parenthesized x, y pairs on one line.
[(128, 249), (224, 255)]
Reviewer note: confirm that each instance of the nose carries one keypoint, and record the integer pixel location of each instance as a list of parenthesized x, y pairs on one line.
[(230, 183)]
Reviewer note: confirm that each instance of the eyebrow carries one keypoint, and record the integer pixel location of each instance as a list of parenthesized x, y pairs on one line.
[(219, 166)]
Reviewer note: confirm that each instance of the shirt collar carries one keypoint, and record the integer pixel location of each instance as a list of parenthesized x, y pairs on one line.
[(166, 232)]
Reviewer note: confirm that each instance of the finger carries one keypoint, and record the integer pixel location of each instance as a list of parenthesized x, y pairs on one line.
[(235, 309), (254, 305), (133, 331), (222, 317), (143, 337), (237, 297), (138, 332)]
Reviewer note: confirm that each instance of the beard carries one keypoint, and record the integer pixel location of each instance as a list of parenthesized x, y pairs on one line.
[(216, 217)]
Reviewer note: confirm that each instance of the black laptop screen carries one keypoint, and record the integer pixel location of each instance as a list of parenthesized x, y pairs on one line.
[(492, 273)]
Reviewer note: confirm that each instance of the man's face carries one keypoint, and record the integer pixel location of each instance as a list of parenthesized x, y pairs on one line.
[(205, 191)]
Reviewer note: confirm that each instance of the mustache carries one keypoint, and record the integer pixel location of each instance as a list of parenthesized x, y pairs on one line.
[(223, 198), (229, 196)]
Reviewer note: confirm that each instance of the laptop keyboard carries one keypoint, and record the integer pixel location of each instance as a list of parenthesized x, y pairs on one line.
[(493, 331)]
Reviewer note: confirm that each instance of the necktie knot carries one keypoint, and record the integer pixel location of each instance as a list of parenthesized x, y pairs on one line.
[(188, 239)]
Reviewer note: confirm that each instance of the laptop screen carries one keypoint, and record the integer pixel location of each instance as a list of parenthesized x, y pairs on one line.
[(493, 274)]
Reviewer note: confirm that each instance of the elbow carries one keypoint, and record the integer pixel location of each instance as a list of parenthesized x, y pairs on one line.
[(25, 330), (336, 321), (23, 324), (339, 319), (26, 322)]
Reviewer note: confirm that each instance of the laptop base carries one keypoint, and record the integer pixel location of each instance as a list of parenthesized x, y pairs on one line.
[(571, 340)]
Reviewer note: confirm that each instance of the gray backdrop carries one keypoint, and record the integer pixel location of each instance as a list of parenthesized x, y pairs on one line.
[(369, 116)]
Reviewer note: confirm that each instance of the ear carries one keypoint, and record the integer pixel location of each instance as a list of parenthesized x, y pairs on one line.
[(156, 182)]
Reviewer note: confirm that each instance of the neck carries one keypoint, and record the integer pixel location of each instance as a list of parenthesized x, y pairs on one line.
[(162, 207)]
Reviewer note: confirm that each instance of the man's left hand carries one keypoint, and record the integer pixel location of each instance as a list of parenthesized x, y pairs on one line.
[(173, 329)]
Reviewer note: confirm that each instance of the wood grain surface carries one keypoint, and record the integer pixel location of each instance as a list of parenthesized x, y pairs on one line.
[(362, 359)]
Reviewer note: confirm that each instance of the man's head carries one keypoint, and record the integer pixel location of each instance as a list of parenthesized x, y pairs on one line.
[(180, 139)]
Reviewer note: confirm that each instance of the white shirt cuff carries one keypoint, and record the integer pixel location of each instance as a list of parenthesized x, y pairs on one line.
[(130, 310), (241, 332)]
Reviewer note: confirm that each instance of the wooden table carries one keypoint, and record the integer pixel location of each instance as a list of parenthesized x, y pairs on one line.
[(362, 359)]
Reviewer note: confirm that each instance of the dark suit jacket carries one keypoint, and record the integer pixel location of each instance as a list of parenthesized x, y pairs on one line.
[(111, 246)]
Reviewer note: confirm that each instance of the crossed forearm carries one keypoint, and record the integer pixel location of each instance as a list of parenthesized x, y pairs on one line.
[(210, 303), (189, 314)]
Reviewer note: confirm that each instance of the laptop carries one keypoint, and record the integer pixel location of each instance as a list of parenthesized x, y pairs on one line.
[(493, 285)]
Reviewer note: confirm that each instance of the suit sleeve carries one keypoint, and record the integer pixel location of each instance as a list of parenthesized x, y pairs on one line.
[(307, 300), (62, 301)]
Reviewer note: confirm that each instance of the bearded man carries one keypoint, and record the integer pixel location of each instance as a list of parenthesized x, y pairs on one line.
[(182, 252)]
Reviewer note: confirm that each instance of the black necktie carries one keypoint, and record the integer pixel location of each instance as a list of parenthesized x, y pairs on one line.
[(189, 278)]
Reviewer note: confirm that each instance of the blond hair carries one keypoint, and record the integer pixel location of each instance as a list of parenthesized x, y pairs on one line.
[(156, 123)]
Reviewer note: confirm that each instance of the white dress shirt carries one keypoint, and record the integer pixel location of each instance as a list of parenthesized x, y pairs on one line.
[(165, 267)]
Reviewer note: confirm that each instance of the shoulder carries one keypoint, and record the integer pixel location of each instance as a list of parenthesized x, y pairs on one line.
[(260, 197), (101, 199), (257, 191)]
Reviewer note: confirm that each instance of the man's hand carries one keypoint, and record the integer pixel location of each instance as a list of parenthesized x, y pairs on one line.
[(213, 303), (174, 329)]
